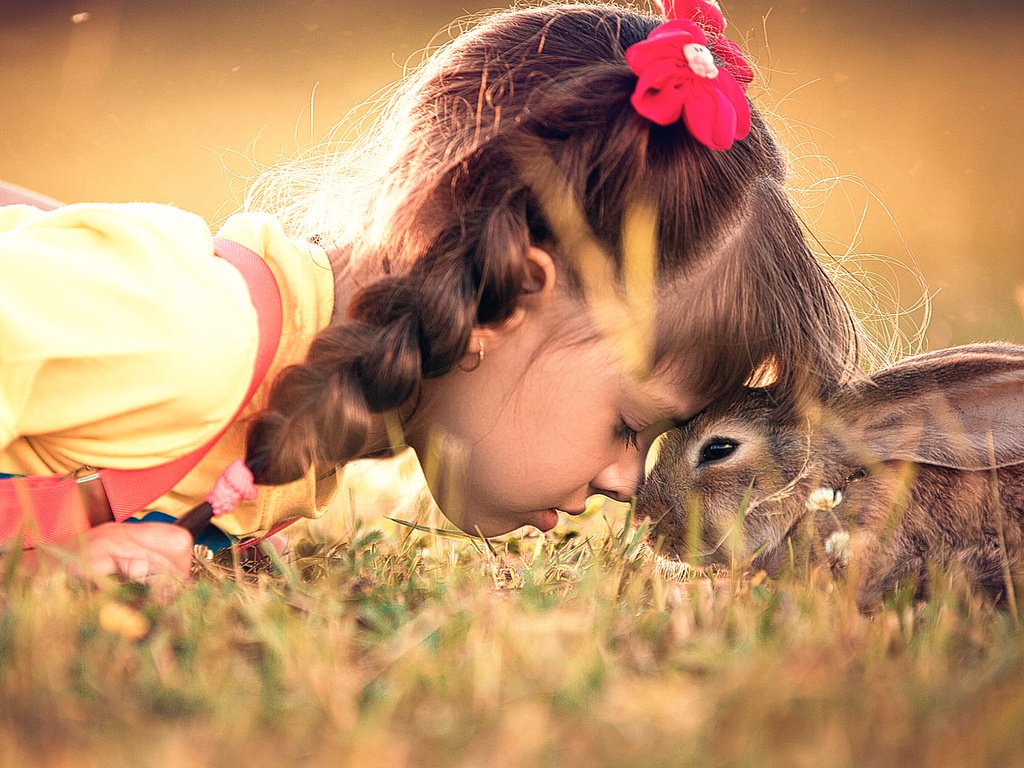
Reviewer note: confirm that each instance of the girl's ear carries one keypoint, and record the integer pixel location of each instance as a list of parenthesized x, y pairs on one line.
[(538, 287), (961, 408), (541, 272)]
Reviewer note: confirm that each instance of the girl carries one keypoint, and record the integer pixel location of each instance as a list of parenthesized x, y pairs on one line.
[(568, 231)]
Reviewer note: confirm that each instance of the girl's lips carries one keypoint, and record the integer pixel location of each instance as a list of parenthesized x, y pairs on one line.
[(573, 512), (545, 520)]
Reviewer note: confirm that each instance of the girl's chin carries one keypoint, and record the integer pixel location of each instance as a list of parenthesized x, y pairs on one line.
[(543, 520)]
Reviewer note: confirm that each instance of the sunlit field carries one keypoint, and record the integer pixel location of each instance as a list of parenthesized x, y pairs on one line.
[(391, 648), (376, 642)]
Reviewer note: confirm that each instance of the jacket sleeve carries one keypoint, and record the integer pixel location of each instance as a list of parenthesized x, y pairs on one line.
[(123, 341)]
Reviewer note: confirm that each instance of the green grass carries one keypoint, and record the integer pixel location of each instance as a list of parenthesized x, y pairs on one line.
[(400, 648)]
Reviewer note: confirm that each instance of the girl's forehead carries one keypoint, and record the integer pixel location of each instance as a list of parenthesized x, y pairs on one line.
[(664, 394)]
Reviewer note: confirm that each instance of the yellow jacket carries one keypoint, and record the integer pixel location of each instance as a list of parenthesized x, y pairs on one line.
[(124, 342)]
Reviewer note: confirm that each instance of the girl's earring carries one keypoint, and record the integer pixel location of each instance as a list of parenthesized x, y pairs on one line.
[(479, 358)]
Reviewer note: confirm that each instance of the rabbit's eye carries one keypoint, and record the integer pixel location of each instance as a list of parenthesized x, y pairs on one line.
[(716, 450)]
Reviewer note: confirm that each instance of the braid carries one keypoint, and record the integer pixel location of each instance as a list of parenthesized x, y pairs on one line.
[(316, 411), (399, 330)]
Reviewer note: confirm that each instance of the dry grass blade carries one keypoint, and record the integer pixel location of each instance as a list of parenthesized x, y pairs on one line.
[(452, 533)]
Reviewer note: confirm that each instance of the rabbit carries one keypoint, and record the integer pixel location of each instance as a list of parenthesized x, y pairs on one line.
[(922, 462)]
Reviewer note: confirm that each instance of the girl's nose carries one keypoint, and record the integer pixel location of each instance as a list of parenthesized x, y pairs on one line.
[(620, 479)]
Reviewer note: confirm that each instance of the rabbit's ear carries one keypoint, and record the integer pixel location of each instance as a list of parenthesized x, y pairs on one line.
[(961, 408)]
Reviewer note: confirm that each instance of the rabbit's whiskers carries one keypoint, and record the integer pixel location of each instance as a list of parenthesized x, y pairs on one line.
[(785, 491)]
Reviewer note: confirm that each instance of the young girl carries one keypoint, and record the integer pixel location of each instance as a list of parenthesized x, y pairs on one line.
[(471, 280)]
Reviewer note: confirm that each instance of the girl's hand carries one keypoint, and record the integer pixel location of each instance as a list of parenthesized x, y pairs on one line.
[(136, 551)]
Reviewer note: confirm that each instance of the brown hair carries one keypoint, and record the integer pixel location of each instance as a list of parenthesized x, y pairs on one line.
[(444, 216)]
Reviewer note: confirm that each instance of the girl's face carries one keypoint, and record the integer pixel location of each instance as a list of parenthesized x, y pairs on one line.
[(541, 423)]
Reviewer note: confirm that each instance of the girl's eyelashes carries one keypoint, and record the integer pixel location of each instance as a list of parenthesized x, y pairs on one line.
[(627, 435), (630, 435)]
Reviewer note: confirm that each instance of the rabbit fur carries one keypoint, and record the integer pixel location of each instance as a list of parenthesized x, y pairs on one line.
[(928, 456)]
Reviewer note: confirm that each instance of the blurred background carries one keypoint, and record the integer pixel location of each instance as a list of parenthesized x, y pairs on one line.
[(904, 119)]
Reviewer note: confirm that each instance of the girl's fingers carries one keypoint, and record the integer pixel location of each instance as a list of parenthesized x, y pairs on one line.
[(138, 551), (278, 541)]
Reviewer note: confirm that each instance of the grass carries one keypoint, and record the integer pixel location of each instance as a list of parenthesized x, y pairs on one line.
[(400, 648)]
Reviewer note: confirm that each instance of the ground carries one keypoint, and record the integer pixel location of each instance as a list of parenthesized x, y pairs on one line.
[(399, 647)]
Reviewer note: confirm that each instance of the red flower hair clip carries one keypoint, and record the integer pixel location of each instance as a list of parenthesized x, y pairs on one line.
[(678, 76)]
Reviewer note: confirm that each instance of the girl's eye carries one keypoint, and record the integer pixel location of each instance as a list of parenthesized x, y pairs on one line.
[(716, 449), (628, 435)]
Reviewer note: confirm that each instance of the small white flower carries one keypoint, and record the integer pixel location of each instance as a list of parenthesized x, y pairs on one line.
[(824, 500), (837, 547), (700, 60), (202, 552)]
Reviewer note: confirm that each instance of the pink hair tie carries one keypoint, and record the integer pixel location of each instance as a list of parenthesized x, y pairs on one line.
[(686, 70), (231, 488)]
